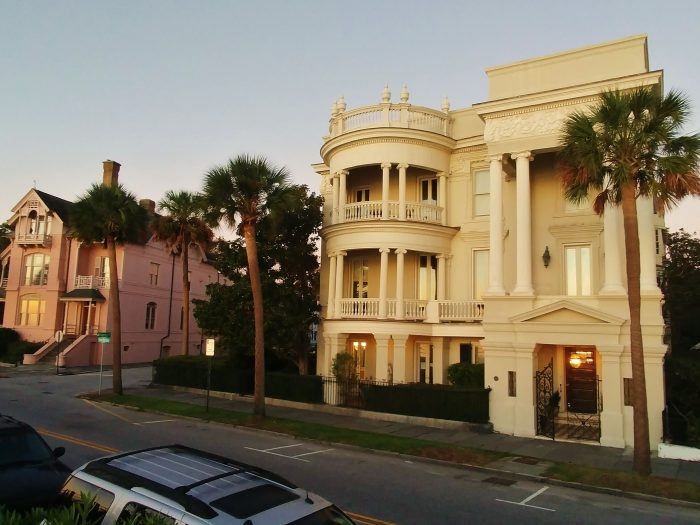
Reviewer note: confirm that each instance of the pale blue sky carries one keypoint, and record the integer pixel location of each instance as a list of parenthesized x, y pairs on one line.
[(171, 88)]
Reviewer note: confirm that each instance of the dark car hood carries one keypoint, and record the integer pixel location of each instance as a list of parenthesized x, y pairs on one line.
[(32, 485)]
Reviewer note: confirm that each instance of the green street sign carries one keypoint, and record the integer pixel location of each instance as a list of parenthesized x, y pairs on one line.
[(104, 337)]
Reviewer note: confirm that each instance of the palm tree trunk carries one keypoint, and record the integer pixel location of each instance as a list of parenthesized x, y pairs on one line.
[(185, 296), (116, 318), (251, 250), (642, 459)]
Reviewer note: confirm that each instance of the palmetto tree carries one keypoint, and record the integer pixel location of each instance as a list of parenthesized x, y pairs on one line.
[(240, 193), (184, 225), (111, 215), (629, 145)]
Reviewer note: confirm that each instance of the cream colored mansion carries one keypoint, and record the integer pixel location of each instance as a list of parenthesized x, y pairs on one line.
[(447, 238)]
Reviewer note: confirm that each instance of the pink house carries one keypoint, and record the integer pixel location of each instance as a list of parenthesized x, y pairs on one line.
[(55, 286)]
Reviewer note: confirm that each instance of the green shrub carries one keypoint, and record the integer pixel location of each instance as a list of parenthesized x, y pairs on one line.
[(306, 389), (7, 337), (344, 367), (14, 352), (466, 374), (191, 371)]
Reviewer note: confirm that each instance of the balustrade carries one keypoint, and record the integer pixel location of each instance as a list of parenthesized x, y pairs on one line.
[(90, 281), (372, 210), (391, 116), (414, 309)]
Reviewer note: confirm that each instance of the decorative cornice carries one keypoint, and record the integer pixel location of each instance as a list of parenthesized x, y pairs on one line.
[(575, 230), (469, 149), (387, 140)]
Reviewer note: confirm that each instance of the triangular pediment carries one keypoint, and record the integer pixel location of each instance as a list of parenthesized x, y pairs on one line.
[(567, 312)]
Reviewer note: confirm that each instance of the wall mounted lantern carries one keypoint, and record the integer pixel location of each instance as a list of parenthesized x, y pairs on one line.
[(546, 257)]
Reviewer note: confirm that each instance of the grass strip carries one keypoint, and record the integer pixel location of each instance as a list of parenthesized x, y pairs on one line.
[(614, 479)]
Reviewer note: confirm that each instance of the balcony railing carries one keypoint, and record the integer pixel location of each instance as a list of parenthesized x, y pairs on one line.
[(33, 238), (372, 210), (390, 116), (91, 281), (3, 282), (413, 310)]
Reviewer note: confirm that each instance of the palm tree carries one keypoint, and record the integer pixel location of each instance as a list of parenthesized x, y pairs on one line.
[(111, 215), (629, 145), (183, 226), (240, 193)]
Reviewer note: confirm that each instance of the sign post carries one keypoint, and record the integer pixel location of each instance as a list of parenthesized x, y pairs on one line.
[(209, 352), (102, 338), (58, 336)]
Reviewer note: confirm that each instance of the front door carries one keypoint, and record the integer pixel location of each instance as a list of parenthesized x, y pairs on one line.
[(425, 362), (581, 381)]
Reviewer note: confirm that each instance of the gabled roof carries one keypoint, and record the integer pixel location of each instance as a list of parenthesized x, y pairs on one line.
[(56, 204)]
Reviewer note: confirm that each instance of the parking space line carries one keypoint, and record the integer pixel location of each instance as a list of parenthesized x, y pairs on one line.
[(285, 446), (276, 454), (309, 453), (103, 409), (157, 421), (524, 503)]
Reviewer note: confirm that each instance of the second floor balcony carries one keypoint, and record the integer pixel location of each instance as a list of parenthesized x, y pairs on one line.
[(392, 210), (90, 281), (40, 239), (438, 311)]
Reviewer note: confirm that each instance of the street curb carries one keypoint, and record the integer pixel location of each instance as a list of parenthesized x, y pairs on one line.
[(478, 468)]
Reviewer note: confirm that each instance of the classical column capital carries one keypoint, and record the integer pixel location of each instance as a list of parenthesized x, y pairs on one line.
[(444, 256), (496, 158), (522, 155), (401, 251), (344, 173), (340, 253), (403, 165), (441, 174), (335, 174), (384, 250), (386, 165)]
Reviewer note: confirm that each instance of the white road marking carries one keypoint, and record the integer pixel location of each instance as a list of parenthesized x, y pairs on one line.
[(285, 446), (309, 453), (158, 421), (523, 503), (276, 454), (298, 457)]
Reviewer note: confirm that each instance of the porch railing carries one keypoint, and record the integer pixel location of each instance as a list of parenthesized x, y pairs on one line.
[(372, 210), (91, 281), (33, 238), (413, 310), (461, 310), (3, 282), (359, 308)]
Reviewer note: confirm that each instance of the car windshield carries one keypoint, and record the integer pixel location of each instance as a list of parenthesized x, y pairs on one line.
[(22, 446), (329, 516)]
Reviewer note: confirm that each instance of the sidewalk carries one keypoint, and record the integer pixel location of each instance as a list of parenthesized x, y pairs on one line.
[(520, 450)]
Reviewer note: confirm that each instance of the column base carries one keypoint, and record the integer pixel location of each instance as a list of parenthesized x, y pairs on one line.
[(523, 291), (612, 289)]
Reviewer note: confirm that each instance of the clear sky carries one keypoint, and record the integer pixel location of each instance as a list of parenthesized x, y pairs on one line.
[(171, 88)]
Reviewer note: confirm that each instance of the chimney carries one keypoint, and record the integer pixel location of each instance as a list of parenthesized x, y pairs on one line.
[(148, 204), (110, 174)]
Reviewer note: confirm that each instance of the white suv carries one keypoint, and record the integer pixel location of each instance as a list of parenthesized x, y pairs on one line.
[(186, 486)]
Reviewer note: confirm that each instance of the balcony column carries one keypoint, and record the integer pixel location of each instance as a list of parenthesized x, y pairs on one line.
[(330, 305), (402, 191), (647, 252), (336, 198), (442, 197), (386, 167), (611, 246), (89, 318), (338, 283), (400, 308), (496, 226), (343, 197), (383, 277), (441, 263), (381, 371), (523, 283), (65, 316)]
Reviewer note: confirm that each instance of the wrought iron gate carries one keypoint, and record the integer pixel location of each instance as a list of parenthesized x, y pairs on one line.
[(544, 388)]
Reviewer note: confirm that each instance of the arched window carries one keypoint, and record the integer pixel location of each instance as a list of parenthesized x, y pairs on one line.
[(150, 316)]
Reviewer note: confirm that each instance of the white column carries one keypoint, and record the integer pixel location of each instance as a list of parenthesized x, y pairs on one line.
[(330, 305), (381, 372), (523, 283), (496, 226), (399, 363), (399, 283), (612, 245), (441, 263), (402, 191), (89, 318), (647, 246), (336, 198), (343, 198), (338, 282), (524, 400), (612, 432), (383, 277), (442, 202), (386, 167)]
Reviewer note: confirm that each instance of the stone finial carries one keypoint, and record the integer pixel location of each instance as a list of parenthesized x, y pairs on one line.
[(445, 104), (334, 109), (404, 94), (341, 104), (386, 94)]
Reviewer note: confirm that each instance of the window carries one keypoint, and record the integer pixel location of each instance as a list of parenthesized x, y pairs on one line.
[(481, 273), (36, 269), (182, 317), (153, 274), (512, 392), (465, 353), (102, 267), (360, 277), (32, 310), (481, 192), (138, 513), (429, 191), (73, 489), (578, 270), (659, 241), (362, 195), (150, 316), (427, 278)]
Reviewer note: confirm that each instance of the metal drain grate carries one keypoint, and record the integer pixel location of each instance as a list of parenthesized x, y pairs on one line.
[(500, 481)]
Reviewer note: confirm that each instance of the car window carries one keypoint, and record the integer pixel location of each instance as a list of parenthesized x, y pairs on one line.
[(22, 446), (137, 514), (329, 516), (75, 488)]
